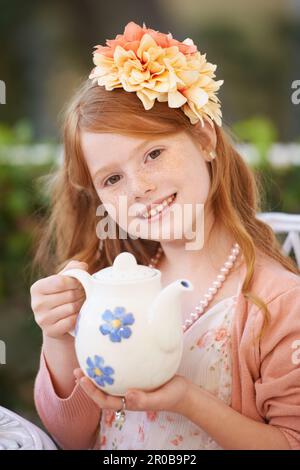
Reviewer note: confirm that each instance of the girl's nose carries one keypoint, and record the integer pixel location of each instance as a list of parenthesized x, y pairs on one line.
[(141, 187)]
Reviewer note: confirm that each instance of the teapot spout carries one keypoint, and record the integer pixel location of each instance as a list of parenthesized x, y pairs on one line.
[(165, 315), (82, 276)]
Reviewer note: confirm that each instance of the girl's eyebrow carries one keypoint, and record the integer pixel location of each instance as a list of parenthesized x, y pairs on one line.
[(106, 168)]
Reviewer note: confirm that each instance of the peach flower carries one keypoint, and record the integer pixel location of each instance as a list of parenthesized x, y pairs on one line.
[(177, 440), (221, 333), (156, 66), (151, 415), (109, 416), (141, 434), (204, 339)]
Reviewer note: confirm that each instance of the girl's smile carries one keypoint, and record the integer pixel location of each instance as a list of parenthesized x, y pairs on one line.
[(155, 212)]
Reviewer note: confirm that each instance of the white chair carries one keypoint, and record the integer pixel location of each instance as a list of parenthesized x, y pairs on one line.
[(16, 433), (285, 223)]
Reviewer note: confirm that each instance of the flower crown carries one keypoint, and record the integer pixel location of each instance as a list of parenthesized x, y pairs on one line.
[(156, 66)]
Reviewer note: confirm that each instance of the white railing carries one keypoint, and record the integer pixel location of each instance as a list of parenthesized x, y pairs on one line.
[(285, 223), (279, 155)]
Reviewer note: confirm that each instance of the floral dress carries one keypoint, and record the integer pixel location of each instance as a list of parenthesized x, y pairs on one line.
[(206, 361)]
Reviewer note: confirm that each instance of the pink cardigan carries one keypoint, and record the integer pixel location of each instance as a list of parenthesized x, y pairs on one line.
[(265, 371)]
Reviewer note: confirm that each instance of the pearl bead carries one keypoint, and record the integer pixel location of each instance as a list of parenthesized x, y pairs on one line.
[(199, 309), (208, 296), (228, 264), (194, 315), (224, 270), (217, 284), (212, 290)]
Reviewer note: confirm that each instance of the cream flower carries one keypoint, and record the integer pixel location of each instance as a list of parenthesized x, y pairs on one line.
[(156, 66)]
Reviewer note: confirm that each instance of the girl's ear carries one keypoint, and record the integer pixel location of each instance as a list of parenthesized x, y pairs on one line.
[(208, 139)]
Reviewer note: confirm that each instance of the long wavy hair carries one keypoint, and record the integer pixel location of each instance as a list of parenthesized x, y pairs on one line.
[(71, 221)]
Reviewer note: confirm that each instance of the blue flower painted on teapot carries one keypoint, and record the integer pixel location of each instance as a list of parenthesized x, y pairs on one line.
[(116, 325), (98, 372)]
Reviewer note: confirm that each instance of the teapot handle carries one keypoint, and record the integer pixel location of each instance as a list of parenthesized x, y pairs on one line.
[(84, 278)]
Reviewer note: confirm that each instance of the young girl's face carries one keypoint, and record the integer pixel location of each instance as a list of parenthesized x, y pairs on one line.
[(131, 173)]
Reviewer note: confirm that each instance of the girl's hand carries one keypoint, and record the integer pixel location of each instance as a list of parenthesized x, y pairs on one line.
[(56, 301), (169, 397)]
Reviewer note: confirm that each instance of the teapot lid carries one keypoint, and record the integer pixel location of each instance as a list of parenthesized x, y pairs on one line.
[(125, 268)]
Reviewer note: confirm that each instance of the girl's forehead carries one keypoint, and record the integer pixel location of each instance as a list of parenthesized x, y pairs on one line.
[(108, 145), (89, 137)]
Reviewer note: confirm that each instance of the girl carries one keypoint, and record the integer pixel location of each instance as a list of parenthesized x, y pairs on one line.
[(238, 384)]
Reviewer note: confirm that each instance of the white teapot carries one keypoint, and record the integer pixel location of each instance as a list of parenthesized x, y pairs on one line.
[(129, 330)]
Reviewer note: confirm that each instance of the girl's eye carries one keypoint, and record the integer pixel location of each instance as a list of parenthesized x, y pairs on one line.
[(115, 178), (155, 153), (112, 179)]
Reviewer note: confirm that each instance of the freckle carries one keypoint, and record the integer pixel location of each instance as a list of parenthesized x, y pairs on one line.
[(174, 162)]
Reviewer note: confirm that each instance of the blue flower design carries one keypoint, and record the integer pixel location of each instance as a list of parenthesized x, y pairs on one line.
[(98, 372), (117, 324)]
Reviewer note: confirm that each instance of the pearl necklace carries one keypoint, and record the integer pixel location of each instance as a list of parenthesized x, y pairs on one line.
[(216, 285)]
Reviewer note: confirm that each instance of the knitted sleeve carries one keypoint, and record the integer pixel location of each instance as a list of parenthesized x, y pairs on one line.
[(73, 422), (278, 387)]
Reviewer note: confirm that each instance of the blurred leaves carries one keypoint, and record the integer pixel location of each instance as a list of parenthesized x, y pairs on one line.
[(259, 131), (20, 133)]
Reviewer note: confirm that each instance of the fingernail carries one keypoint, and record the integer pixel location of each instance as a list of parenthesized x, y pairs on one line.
[(85, 383)]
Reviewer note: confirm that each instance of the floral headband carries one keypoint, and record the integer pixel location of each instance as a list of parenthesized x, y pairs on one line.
[(156, 66)]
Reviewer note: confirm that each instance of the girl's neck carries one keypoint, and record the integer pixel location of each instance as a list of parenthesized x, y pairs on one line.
[(216, 247), (201, 267)]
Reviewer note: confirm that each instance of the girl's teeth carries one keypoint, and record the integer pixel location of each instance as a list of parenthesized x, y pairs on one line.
[(159, 208)]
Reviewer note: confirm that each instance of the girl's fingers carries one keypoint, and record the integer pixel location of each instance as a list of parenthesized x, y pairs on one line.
[(63, 298), (54, 284), (59, 313), (46, 303), (61, 327), (78, 373), (103, 400)]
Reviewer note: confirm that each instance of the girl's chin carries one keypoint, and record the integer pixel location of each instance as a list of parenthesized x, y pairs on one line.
[(160, 232)]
